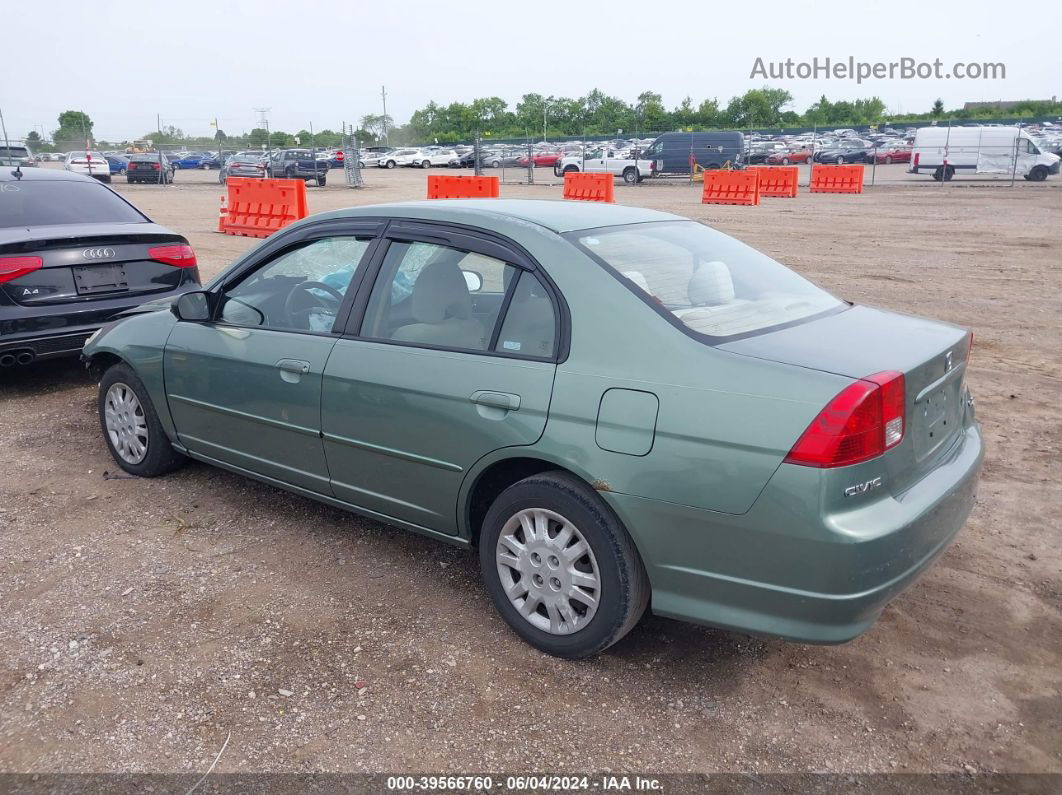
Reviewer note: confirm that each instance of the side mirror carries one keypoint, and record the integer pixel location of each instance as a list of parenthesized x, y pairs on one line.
[(193, 306), (473, 281)]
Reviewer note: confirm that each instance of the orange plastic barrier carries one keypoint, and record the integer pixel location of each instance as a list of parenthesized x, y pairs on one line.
[(836, 179), (777, 182), (731, 187), (259, 207), (589, 187), (446, 187)]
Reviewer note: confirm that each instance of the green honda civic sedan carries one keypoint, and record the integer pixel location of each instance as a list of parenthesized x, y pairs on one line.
[(622, 409)]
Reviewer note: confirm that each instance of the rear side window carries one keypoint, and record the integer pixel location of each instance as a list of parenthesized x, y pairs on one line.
[(530, 326), (32, 203)]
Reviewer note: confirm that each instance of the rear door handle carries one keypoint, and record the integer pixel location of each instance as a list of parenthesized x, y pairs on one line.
[(496, 400)]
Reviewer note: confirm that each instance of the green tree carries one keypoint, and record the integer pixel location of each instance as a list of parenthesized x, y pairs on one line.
[(758, 107), (938, 108), (650, 112), (75, 127), (220, 136), (377, 125)]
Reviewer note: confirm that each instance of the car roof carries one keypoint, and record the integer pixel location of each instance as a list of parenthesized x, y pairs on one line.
[(7, 174), (556, 215)]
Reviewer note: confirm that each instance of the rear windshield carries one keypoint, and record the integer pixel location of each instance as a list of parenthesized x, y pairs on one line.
[(60, 202), (708, 282), (146, 158), (13, 151)]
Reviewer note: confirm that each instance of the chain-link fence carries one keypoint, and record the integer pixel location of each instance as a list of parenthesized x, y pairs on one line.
[(947, 153)]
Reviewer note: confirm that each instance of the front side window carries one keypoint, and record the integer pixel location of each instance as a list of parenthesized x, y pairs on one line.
[(430, 294), (300, 290), (713, 284)]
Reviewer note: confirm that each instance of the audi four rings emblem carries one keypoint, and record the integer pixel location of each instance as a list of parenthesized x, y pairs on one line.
[(98, 253)]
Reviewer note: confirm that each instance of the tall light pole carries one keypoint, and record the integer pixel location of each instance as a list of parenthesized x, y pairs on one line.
[(545, 105), (383, 97)]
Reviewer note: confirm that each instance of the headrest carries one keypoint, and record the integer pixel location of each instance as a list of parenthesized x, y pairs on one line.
[(638, 278), (440, 292), (711, 285)]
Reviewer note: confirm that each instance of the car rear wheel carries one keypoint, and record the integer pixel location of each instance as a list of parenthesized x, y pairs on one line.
[(131, 427), (321, 182), (560, 568), (888, 160)]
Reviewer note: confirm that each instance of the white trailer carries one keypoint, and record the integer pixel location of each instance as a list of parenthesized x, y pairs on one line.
[(945, 151)]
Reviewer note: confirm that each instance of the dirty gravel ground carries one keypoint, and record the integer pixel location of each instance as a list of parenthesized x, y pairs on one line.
[(143, 620)]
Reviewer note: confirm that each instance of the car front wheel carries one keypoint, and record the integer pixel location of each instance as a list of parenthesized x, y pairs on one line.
[(560, 568), (1038, 174), (131, 427), (630, 175)]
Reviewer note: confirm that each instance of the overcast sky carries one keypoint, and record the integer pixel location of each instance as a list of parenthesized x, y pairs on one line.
[(194, 60)]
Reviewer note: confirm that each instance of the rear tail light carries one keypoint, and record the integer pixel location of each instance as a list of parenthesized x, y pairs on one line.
[(179, 256), (863, 421), (915, 162), (156, 166), (13, 267)]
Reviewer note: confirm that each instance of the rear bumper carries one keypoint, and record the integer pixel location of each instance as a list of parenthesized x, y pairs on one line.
[(61, 329), (773, 572)]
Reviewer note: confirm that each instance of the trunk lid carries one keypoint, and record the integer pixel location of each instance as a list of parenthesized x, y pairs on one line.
[(862, 341), (86, 261)]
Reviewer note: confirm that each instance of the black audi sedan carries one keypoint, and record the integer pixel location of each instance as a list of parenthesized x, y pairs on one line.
[(73, 255)]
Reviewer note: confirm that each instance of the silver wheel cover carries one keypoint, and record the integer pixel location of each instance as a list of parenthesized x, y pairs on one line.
[(126, 424), (548, 571)]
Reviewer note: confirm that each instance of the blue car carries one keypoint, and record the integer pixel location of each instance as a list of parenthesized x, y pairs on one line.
[(117, 164), (191, 160)]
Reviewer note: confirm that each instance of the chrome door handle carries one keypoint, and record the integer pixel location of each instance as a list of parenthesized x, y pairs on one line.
[(296, 366), (292, 370), (496, 400)]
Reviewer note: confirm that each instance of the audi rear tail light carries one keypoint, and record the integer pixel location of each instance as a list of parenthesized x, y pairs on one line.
[(12, 268), (179, 256), (862, 422)]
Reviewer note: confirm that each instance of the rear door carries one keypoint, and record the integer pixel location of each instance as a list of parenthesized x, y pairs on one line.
[(439, 368), (245, 388)]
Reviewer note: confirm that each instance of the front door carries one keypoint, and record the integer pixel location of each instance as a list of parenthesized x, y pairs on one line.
[(452, 356), (245, 389)]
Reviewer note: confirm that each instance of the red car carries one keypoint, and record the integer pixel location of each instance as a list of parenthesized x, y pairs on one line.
[(785, 158), (548, 159), (893, 154)]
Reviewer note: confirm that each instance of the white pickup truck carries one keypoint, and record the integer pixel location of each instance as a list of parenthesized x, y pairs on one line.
[(606, 161)]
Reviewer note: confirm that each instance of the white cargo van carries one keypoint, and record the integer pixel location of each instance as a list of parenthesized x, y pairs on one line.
[(943, 151)]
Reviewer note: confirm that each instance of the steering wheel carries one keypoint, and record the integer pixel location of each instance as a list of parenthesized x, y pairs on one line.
[(303, 288)]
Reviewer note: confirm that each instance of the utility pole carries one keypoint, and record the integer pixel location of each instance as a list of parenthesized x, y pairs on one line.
[(263, 123), (383, 97)]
